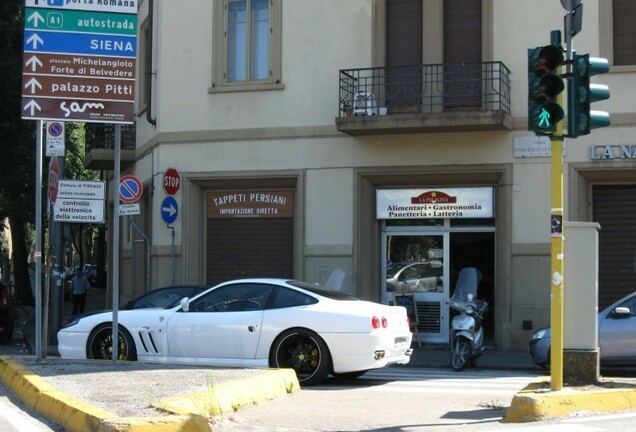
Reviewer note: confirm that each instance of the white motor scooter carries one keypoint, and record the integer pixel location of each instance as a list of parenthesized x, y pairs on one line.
[(467, 333)]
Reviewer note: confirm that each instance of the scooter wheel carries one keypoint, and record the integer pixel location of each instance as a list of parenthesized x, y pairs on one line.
[(461, 354)]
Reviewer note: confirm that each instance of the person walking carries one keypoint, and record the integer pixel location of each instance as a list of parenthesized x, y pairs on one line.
[(79, 290)]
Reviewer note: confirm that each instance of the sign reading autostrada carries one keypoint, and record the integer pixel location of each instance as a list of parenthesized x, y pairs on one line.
[(79, 60)]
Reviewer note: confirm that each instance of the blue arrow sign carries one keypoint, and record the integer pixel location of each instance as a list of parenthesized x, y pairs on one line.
[(169, 210), (80, 43)]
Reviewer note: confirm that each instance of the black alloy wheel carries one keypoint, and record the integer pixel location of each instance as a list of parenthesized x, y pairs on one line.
[(305, 352), (100, 344)]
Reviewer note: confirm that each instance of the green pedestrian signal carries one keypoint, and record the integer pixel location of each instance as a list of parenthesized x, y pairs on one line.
[(581, 94), (544, 85)]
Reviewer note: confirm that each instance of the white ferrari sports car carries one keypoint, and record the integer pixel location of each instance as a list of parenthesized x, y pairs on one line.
[(275, 323)]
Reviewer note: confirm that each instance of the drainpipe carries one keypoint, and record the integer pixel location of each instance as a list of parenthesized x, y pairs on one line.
[(149, 50)]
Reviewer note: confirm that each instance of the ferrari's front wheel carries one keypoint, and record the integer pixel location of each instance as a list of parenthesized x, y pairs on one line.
[(100, 344), (305, 352)]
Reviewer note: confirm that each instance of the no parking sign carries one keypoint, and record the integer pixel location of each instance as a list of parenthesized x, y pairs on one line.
[(54, 139)]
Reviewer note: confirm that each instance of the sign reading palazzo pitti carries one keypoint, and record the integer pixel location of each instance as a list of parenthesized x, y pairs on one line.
[(250, 204)]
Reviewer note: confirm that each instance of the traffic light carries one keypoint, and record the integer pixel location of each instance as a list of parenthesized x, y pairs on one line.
[(544, 85), (581, 94)]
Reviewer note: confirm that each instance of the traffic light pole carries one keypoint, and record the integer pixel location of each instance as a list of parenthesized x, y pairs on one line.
[(556, 260), (557, 241)]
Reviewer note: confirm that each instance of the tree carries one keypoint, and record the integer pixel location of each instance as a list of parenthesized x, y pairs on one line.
[(17, 146), (83, 236)]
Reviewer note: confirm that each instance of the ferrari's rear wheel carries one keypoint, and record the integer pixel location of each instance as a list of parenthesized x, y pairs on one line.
[(305, 352), (100, 344)]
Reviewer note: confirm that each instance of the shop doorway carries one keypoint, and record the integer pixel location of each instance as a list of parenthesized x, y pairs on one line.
[(426, 261)]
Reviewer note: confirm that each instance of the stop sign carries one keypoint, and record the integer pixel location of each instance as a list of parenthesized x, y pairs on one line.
[(171, 181), (54, 178)]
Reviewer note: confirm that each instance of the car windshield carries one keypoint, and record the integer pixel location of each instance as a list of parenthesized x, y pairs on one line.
[(323, 291)]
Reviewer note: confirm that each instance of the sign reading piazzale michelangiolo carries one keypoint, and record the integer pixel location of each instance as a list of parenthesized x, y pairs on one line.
[(441, 203)]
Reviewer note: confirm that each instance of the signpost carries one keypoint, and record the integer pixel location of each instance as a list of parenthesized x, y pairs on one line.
[(80, 201), (55, 139), (79, 61), (130, 189), (169, 210), (79, 64), (171, 181)]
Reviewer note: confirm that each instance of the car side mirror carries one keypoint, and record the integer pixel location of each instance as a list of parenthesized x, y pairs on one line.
[(185, 304), (622, 312)]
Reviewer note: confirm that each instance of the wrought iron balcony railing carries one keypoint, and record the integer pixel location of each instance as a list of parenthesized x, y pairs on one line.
[(102, 136), (425, 89)]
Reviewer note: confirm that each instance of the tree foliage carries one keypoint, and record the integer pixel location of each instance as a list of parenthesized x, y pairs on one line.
[(17, 145)]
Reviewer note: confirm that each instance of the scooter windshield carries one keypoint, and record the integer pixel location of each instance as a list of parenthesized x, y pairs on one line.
[(467, 283)]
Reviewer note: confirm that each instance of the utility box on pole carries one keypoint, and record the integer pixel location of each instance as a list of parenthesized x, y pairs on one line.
[(580, 299)]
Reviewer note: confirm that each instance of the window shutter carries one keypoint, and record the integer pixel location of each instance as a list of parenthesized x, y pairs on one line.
[(624, 18)]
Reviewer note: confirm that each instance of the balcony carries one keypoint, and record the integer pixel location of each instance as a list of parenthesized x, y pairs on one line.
[(100, 146), (465, 97)]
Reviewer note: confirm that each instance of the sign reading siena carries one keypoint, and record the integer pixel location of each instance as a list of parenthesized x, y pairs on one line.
[(79, 60), (445, 203)]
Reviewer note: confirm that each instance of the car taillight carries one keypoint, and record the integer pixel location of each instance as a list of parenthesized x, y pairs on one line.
[(377, 322)]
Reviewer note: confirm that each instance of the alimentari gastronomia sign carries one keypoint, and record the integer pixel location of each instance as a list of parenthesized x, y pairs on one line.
[(451, 203)]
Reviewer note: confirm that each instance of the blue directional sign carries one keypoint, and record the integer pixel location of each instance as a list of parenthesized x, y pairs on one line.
[(80, 43), (169, 210), (74, 51)]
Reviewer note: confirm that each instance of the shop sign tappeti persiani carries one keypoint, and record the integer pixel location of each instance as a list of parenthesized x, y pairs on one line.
[(446, 203), (250, 204)]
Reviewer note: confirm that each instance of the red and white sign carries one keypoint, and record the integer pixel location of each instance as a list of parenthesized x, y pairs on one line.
[(54, 178), (130, 189), (171, 181)]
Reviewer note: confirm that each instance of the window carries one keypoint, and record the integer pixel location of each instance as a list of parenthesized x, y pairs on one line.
[(233, 298), (247, 45), (289, 298)]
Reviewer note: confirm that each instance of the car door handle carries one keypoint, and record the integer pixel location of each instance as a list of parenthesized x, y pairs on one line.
[(252, 328)]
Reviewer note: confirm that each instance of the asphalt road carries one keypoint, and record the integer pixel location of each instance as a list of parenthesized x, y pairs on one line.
[(16, 417)]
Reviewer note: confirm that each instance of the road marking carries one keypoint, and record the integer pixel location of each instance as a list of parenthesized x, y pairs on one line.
[(439, 381)]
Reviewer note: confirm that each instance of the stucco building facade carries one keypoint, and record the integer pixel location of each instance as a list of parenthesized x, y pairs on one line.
[(339, 141)]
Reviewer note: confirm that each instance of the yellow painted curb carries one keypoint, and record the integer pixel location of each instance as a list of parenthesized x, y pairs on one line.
[(535, 402), (78, 416), (230, 396)]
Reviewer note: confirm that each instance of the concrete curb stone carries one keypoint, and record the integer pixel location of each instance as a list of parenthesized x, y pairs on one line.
[(79, 416), (537, 402)]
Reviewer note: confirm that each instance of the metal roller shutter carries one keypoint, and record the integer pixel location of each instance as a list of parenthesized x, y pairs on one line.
[(238, 248), (404, 48), (462, 53), (624, 17), (615, 211)]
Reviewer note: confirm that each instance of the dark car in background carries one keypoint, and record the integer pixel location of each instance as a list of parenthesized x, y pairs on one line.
[(616, 336), (166, 297)]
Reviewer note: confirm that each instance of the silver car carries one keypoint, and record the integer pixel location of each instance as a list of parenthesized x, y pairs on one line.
[(414, 276), (616, 336)]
